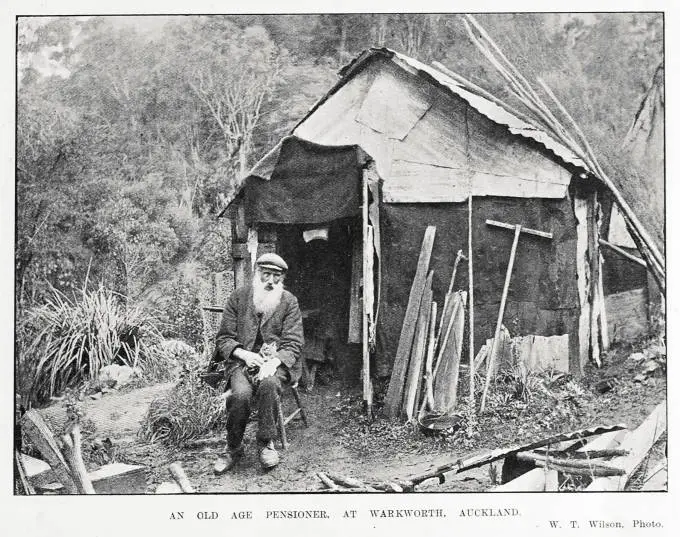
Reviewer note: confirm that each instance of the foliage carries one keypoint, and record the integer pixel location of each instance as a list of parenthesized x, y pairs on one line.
[(69, 340), (133, 132), (188, 411)]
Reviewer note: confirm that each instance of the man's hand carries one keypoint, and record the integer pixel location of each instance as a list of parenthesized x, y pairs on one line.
[(251, 359), (268, 369)]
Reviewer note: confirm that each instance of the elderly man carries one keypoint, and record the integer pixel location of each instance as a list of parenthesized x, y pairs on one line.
[(260, 338)]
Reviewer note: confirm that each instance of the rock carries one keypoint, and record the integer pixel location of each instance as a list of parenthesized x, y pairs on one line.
[(96, 396), (640, 377), (116, 375), (637, 357), (651, 366), (220, 467)]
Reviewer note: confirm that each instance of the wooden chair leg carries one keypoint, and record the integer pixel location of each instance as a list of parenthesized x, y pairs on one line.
[(303, 415), (281, 424)]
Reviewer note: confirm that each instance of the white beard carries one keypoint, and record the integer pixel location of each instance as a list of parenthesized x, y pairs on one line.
[(266, 301)]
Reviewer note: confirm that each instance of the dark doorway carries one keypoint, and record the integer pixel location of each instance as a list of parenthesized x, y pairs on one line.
[(320, 275)]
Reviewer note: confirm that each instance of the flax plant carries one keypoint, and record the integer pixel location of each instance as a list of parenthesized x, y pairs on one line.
[(70, 340)]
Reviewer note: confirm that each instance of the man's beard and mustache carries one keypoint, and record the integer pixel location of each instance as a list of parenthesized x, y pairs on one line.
[(266, 296)]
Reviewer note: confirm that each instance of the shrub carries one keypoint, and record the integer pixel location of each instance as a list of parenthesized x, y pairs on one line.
[(69, 341)]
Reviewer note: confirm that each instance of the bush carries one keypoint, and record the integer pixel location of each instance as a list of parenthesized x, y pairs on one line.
[(182, 312), (68, 341), (190, 410)]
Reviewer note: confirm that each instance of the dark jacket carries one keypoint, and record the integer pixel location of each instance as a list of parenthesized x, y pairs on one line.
[(239, 329)]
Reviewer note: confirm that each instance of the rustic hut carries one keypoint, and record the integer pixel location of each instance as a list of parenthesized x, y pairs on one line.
[(396, 146)]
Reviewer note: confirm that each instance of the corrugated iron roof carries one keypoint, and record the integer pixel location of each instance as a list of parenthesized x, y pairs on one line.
[(487, 108)]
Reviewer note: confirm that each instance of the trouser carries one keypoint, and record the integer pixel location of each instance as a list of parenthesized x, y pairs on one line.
[(267, 392)]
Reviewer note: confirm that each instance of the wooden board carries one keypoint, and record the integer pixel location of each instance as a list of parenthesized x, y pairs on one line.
[(395, 390), (541, 352), (627, 315), (414, 376), (419, 182), (639, 442), (355, 300), (446, 379)]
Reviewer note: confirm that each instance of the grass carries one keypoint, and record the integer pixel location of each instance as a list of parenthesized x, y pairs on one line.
[(188, 411)]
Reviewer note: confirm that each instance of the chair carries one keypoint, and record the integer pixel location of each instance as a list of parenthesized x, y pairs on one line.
[(282, 420)]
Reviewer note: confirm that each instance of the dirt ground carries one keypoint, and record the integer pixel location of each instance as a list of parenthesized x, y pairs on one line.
[(341, 439)]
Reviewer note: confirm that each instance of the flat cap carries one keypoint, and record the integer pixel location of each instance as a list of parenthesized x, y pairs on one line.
[(272, 262)]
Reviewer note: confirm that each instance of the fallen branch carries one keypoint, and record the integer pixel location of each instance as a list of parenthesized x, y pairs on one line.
[(578, 467), (592, 454), (349, 482), (182, 480), (71, 447), (327, 481)]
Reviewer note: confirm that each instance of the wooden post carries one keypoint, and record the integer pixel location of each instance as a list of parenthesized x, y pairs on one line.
[(582, 274), (239, 252), (594, 277), (367, 251), (501, 312), (471, 309)]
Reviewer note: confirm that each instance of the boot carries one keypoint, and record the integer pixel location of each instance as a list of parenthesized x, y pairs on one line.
[(269, 457), (228, 460)]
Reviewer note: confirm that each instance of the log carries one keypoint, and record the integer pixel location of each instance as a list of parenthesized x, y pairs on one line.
[(395, 390), (586, 454), (387, 486), (639, 442), (571, 465), (350, 482), (327, 481), (414, 376), (72, 452), (41, 436), (182, 480)]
